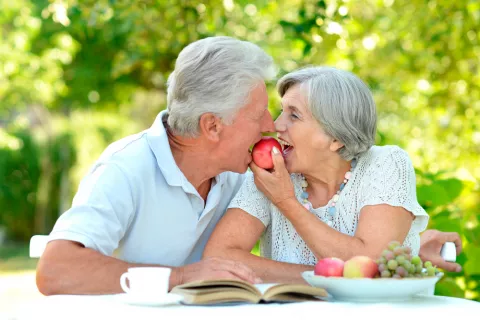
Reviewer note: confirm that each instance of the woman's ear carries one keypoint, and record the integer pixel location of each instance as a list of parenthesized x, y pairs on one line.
[(210, 126), (336, 145)]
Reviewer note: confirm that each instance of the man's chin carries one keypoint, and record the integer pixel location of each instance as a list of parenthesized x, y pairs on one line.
[(245, 169), (238, 169)]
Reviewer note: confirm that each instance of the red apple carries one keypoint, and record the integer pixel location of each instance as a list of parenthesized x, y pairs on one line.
[(262, 152), (360, 267), (329, 267)]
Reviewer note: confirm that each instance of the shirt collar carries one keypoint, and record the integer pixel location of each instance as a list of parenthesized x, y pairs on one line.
[(158, 141)]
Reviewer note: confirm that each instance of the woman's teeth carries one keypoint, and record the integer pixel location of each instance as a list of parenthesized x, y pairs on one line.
[(285, 145)]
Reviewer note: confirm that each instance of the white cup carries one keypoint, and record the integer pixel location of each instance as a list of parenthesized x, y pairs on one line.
[(449, 252), (146, 281)]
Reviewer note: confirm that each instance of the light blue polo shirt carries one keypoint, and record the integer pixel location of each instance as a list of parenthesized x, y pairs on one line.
[(136, 204)]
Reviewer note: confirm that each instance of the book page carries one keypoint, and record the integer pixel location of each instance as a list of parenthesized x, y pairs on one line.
[(263, 287), (223, 285)]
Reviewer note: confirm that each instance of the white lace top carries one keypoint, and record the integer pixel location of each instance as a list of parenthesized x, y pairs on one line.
[(383, 175)]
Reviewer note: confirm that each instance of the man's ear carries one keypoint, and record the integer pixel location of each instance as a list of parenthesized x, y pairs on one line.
[(336, 145), (210, 126)]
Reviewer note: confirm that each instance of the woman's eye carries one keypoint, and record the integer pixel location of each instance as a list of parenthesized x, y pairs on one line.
[(293, 116)]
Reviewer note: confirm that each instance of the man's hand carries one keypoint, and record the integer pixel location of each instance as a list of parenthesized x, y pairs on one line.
[(213, 268), (431, 242)]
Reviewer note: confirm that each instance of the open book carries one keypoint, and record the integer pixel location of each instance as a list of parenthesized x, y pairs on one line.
[(223, 291)]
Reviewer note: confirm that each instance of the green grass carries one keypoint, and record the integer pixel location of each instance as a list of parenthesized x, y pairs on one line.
[(15, 258)]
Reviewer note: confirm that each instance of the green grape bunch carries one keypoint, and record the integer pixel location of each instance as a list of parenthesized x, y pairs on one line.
[(397, 262)]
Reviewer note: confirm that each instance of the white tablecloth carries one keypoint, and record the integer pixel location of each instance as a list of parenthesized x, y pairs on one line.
[(108, 307)]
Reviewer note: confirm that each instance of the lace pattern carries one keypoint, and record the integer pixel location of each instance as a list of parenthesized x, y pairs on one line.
[(384, 175)]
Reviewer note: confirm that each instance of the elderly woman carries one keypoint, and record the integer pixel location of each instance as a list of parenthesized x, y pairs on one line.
[(332, 194)]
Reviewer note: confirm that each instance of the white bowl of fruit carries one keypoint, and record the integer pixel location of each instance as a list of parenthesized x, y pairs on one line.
[(395, 276)]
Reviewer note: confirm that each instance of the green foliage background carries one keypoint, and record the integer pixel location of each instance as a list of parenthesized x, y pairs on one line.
[(77, 75)]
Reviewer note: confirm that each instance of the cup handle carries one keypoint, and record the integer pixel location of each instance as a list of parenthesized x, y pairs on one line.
[(123, 282)]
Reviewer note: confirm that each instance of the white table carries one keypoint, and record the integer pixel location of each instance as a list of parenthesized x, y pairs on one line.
[(108, 307)]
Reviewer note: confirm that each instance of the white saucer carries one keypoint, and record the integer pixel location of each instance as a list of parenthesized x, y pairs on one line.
[(149, 301)]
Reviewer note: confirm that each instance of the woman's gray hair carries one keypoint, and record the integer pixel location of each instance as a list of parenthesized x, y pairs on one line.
[(215, 75), (340, 102)]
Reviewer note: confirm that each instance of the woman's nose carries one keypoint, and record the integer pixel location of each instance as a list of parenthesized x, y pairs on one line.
[(279, 124)]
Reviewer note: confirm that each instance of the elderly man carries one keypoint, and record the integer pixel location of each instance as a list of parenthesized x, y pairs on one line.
[(154, 198)]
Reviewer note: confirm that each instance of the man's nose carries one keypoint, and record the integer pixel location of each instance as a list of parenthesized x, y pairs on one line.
[(268, 125)]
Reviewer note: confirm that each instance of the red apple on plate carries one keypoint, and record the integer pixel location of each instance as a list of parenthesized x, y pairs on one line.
[(329, 267), (360, 267), (262, 152)]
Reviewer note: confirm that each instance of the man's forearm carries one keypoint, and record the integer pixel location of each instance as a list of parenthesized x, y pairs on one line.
[(68, 268), (270, 271)]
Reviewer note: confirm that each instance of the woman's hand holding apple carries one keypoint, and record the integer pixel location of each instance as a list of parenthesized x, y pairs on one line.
[(275, 185)]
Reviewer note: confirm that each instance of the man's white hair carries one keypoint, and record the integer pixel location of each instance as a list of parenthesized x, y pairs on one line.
[(214, 75)]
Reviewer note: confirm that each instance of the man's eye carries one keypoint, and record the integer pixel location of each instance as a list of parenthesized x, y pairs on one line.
[(293, 116)]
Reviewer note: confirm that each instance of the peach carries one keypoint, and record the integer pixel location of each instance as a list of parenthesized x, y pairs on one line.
[(360, 267), (329, 267)]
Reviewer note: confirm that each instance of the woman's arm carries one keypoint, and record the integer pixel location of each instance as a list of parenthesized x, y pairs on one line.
[(377, 226), (235, 236)]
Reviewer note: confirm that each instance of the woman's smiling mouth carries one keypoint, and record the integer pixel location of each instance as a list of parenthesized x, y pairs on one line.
[(287, 147)]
